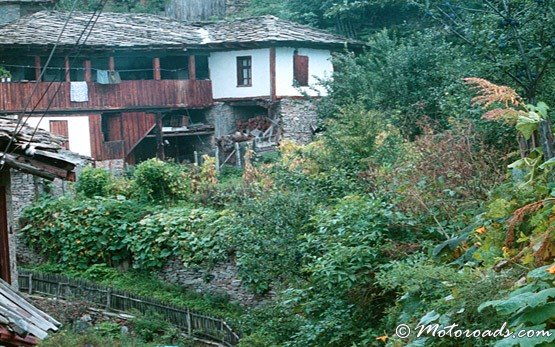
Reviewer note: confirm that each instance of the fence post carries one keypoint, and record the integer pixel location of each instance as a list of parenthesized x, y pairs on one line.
[(189, 328), (217, 154), (196, 158), (238, 154), (30, 283), (108, 298)]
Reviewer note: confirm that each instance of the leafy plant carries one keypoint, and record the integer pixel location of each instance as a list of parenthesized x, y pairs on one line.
[(94, 182), (158, 181), (81, 233), (530, 307)]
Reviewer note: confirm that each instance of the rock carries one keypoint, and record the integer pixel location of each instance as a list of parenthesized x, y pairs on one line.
[(124, 330), (81, 326), (86, 318)]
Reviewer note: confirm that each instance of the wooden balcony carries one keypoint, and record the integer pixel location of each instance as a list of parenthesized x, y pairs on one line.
[(140, 95)]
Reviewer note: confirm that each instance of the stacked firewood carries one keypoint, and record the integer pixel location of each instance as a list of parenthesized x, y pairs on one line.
[(246, 130), (227, 142), (257, 123)]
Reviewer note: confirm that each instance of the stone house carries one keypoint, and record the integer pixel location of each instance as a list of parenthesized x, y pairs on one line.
[(145, 86)]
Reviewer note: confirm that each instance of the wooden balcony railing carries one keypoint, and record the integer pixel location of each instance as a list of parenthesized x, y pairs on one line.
[(125, 96)]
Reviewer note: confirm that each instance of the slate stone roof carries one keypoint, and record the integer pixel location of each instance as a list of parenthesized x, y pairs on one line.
[(111, 30), (269, 29), (126, 30)]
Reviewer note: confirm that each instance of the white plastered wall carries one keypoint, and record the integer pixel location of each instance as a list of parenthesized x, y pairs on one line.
[(223, 73), (319, 67), (78, 131)]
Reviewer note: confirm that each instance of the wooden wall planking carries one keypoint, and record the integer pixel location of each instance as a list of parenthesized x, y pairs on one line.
[(125, 95), (135, 126)]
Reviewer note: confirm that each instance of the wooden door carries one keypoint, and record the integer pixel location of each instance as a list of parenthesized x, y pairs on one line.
[(59, 127), (5, 269)]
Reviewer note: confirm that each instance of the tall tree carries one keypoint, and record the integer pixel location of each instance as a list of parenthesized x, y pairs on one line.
[(517, 37)]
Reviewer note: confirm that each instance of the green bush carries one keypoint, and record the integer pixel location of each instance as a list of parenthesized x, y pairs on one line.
[(158, 181), (94, 182), (81, 233), (195, 235)]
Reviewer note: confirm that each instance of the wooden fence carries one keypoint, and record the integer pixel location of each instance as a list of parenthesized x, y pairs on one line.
[(194, 323)]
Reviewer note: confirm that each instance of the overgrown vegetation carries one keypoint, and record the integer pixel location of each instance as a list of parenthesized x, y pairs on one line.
[(426, 198)]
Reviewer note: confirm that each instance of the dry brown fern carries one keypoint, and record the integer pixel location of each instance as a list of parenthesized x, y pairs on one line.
[(505, 114), (518, 217), (489, 93)]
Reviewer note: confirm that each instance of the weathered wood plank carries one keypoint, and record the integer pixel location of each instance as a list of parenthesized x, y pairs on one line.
[(125, 95)]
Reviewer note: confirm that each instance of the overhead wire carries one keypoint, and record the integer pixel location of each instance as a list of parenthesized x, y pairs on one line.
[(19, 123), (78, 47)]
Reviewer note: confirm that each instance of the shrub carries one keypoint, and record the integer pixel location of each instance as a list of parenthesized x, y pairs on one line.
[(195, 235), (80, 233), (158, 181), (94, 182)]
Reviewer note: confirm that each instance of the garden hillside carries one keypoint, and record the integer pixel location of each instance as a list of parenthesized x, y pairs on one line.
[(427, 195)]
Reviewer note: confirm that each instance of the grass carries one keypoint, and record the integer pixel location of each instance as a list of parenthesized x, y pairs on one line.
[(91, 338)]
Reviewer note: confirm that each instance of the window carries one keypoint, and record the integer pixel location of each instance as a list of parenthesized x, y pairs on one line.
[(244, 71), (203, 71), (300, 68), (112, 127)]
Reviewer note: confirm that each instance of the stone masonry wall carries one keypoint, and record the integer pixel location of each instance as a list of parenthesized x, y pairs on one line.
[(223, 117), (115, 166), (25, 189), (298, 117), (222, 280)]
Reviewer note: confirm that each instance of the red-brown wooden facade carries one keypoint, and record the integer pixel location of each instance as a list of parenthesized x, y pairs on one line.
[(125, 96), (134, 126)]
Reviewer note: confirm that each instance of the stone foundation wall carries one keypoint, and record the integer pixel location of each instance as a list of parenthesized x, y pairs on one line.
[(115, 166), (25, 189), (223, 117), (297, 119), (222, 280)]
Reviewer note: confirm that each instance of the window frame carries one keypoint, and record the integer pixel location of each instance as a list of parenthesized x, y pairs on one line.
[(241, 79)]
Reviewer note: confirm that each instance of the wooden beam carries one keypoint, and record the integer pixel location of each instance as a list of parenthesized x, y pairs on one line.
[(273, 74), (35, 167), (37, 68), (67, 72), (156, 68), (192, 67), (88, 70), (159, 137), (5, 268), (111, 64)]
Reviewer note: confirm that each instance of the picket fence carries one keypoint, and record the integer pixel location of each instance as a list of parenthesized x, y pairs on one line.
[(193, 323)]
